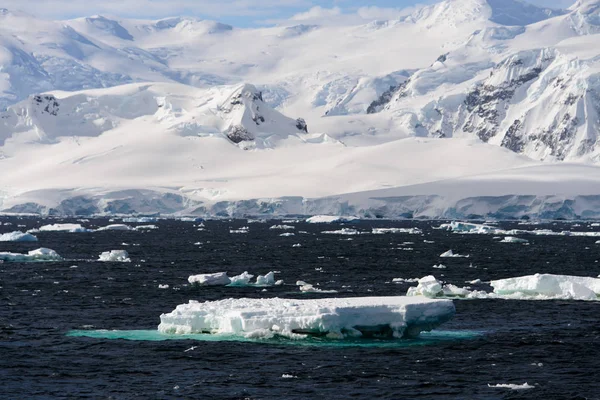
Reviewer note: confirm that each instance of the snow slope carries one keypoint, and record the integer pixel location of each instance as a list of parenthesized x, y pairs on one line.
[(447, 112)]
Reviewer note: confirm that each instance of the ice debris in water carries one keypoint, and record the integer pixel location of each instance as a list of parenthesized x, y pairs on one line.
[(327, 219), (337, 318), (146, 227), (546, 286), (512, 239), (289, 234), (243, 229), (451, 254), (512, 386), (383, 231), (71, 228), (469, 228), (308, 288), (115, 227), (41, 254), (17, 236), (161, 286), (114, 256), (282, 227), (440, 266), (242, 280), (139, 220), (343, 231), (405, 280)]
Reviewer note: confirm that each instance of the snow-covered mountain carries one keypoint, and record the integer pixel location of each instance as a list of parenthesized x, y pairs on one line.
[(105, 114)]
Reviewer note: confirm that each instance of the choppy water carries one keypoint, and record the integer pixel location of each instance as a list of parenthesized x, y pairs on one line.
[(87, 332)]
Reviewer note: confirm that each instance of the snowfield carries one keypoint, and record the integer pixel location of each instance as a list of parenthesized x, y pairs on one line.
[(335, 317), (494, 113)]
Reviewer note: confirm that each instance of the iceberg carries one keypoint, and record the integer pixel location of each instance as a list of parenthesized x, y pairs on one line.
[(282, 227), (115, 227), (139, 220), (243, 229), (430, 287), (512, 386), (343, 231), (71, 228), (114, 256), (308, 288), (547, 287), (328, 219), (215, 279), (41, 254), (17, 236), (383, 231), (512, 239), (335, 318), (451, 254)]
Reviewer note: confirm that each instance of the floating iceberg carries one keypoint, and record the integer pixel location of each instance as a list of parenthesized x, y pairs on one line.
[(243, 280), (466, 227), (383, 231), (38, 255), (289, 234), (343, 231), (469, 228), (398, 317), (512, 386), (308, 288), (282, 227), (243, 229), (546, 286), (216, 279), (17, 236), (139, 220), (512, 239), (146, 227), (451, 254), (328, 219), (71, 228), (114, 256), (115, 227)]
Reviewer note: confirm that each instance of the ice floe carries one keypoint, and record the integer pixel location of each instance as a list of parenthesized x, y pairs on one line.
[(512, 239), (328, 219), (243, 229), (547, 286), (282, 227), (17, 236), (71, 228), (337, 318), (114, 256), (308, 288), (242, 280), (512, 386), (139, 220), (41, 254), (451, 254), (214, 279), (469, 228), (383, 231), (115, 227), (289, 234), (343, 231)]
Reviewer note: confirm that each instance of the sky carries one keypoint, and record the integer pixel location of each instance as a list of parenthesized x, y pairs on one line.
[(241, 13)]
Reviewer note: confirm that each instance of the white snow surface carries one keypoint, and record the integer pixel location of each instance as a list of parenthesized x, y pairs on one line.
[(546, 286), (38, 255), (17, 236), (462, 108), (114, 256), (335, 317)]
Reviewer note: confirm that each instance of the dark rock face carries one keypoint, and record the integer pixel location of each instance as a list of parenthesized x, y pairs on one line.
[(386, 97), (48, 103), (512, 140), (238, 134), (560, 137), (301, 125)]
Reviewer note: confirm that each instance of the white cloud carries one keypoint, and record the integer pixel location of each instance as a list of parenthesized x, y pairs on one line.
[(317, 13)]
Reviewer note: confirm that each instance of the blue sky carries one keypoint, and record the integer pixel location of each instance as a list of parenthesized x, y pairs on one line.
[(236, 12)]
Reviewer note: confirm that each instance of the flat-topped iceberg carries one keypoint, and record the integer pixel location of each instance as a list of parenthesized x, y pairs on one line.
[(546, 286), (328, 219), (17, 236), (512, 239), (242, 280), (215, 279), (39, 255), (336, 318), (383, 231), (115, 227), (114, 256), (71, 228)]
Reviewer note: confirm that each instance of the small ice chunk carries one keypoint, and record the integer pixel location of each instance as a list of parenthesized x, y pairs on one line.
[(17, 236), (161, 286), (512, 386), (241, 280), (343, 231), (146, 227), (41, 254), (428, 287), (308, 288), (242, 230), (266, 280), (215, 279), (139, 220), (405, 280), (512, 239), (288, 376), (289, 234), (383, 231), (451, 254), (297, 245), (115, 227), (282, 227), (440, 266), (338, 318), (114, 256)]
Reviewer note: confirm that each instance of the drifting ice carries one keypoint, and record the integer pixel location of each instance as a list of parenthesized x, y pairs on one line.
[(216, 279), (71, 228), (336, 318), (115, 256), (450, 254), (512, 239), (41, 254), (17, 236), (383, 231), (327, 219), (545, 286), (242, 280)]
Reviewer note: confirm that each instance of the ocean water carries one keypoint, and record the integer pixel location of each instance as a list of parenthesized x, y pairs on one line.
[(90, 331)]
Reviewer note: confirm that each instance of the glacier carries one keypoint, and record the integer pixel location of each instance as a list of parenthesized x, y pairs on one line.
[(336, 318)]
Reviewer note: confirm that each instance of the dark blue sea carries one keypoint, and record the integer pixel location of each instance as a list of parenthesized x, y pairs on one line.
[(554, 346)]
